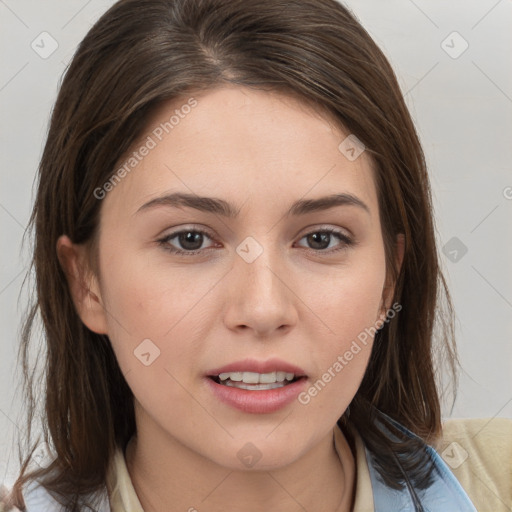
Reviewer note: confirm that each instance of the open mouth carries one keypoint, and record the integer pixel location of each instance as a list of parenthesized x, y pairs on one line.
[(253, 381), (257, 387)]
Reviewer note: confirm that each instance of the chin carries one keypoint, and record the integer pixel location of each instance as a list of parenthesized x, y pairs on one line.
[(258, 454)]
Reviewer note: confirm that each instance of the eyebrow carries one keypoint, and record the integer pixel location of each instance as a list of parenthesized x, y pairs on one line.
[(225, 209)]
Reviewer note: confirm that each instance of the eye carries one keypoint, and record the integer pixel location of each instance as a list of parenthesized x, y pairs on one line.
[(321, 239), (190, 240)]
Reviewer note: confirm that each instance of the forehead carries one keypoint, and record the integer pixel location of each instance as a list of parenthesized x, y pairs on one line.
[(266, 148)]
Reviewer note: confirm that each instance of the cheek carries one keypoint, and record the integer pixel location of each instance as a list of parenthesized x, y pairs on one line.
[(153, 333), (347, 300), (150, 316), (151, 297), (347, 304), (170, 306)]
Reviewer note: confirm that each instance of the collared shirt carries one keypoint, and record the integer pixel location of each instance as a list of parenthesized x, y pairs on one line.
[(472, 473)]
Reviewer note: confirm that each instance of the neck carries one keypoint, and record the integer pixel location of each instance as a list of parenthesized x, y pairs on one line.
[(169, 477)]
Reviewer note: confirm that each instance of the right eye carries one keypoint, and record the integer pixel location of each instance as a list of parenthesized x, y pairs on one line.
[(190, 240)]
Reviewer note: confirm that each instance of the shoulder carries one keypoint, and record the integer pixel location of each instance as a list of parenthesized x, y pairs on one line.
[(38, 499), (478, 451)]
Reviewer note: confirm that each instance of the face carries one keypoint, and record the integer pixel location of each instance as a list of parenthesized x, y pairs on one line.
[(254, 286)]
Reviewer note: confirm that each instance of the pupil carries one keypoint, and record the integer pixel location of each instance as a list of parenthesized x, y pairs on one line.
[(314, 240), (196, 239)]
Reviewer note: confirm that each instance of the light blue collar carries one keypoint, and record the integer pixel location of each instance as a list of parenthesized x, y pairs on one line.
[(444, 494)]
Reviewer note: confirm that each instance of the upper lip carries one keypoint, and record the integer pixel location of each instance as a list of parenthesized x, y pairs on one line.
[(252, 365)]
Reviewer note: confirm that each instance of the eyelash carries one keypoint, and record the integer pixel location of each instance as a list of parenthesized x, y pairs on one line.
[(164, 242)]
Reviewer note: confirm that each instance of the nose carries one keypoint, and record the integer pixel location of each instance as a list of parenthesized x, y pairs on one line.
[(260, 293)]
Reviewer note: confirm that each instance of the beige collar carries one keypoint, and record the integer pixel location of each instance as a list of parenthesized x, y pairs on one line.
[(363, 501)]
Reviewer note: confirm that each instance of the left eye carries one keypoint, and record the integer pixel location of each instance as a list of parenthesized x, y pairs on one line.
[(191, 241), (323, 236)]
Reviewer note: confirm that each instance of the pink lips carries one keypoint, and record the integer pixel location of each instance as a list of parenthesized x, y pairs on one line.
[(257, 402)]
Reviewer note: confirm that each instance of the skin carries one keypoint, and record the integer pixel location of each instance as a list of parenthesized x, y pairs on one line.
[(260, 151)]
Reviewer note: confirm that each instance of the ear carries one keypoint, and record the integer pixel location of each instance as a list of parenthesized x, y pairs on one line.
[(389, 287), (83, 284)]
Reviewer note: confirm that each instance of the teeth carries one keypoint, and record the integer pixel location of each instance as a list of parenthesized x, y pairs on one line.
[(256, 378), (251, 377), (254, 387), (266, 378), (236, 376)]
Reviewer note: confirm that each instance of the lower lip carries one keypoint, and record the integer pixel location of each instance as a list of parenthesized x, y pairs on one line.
[(259, 402)]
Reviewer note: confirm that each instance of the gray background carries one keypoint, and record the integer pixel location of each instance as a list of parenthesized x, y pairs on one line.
[(461, 102)]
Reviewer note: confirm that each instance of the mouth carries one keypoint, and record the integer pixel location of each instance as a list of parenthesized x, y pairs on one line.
[(255, 386), (253, 381)]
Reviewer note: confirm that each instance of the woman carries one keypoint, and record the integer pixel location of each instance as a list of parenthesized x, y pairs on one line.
[(285, 359)]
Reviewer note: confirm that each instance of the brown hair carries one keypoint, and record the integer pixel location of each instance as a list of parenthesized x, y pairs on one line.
[(141, 53)]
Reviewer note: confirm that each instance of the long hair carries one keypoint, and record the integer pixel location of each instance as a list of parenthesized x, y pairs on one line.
[(141, 53)]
